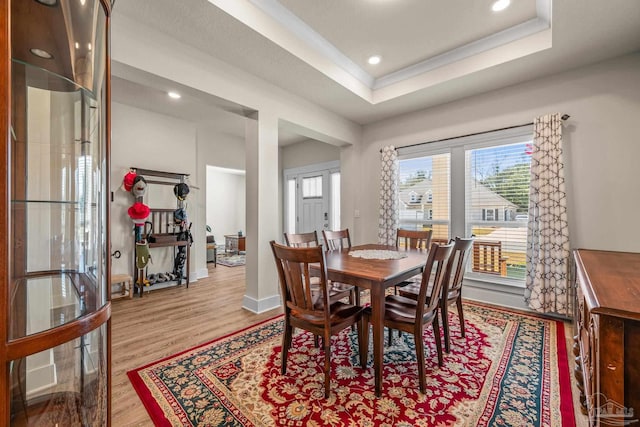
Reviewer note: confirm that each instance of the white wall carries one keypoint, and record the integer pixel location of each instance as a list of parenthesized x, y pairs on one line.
[(601, 146), (147, 140), (306, 153), (225, 202)]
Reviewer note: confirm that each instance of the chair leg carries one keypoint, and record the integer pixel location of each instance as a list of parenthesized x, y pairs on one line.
[(436, 334), (417, 337), (286, 344), (460, 315), (390, 337), (327, 365), (444, 311)]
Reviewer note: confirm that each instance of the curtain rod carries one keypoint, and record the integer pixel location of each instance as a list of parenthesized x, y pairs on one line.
[(563, 117)]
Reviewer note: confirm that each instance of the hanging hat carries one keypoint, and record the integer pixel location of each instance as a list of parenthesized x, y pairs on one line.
[(181, 190), (139, 186), (127, 181), (139, 212), (179, 215)]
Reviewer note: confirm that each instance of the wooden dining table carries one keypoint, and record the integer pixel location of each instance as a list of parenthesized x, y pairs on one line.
[(376, 275)]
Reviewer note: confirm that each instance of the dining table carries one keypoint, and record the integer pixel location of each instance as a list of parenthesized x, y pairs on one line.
[(375, 274)]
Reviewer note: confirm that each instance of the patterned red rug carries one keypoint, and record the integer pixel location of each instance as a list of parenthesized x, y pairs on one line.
[(510, 370)]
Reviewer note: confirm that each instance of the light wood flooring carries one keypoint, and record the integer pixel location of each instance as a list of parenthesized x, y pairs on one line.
[(167, 321)]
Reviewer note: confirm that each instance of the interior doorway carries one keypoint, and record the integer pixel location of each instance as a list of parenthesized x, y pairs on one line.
[(312, 198)]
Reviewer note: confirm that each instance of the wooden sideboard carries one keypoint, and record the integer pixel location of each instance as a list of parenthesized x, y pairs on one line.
[(607, 341)]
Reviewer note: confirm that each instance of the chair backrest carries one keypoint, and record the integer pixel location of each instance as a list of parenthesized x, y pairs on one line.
[(301, 299), (302, 240), (487, 257), (336, 240), (413, 239), (456, 267), (434, 269)]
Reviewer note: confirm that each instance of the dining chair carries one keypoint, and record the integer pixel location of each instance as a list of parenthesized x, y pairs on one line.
[(411, 239), (413, 316), (336, 240), (451, 288), (337, 290), (313, 311), (300, 240)]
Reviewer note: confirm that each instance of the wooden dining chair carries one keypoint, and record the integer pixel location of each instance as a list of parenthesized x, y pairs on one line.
[(337, 240), (411, 239), (451, 288), (413, 316), (312, 311), (302, 240), (337, 291)]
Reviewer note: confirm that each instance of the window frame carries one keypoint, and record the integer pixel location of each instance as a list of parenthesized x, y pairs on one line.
[(457, 148)]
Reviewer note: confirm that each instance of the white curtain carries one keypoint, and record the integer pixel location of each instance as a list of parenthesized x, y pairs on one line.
[(548, 234), (388, 216)]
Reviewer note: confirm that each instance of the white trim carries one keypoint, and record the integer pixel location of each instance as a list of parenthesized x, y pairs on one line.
[(316, 42), (494, 293), (201, 273), (477, 47), (262, 305), (330, 166), (486, 139)]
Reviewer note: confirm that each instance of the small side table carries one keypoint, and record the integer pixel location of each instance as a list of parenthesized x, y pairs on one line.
[(126, 286), (234, 243)]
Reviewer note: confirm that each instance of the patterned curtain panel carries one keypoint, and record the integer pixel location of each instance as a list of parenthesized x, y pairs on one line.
[(548, 234), (388, 221)]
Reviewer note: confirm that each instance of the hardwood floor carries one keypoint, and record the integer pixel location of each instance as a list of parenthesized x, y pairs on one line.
[(167, 321)]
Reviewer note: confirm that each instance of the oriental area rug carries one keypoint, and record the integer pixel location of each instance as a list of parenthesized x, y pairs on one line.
[(510, 370)]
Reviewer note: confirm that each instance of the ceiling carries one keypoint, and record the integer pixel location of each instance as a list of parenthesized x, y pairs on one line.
[(432, 52)]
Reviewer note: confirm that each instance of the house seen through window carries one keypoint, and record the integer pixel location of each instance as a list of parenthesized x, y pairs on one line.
[(489, 199)]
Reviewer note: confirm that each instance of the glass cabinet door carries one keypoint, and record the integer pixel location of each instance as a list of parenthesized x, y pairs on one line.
[(58, 261)]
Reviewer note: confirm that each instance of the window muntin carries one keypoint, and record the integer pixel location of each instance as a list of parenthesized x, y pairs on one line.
[(312, 187)]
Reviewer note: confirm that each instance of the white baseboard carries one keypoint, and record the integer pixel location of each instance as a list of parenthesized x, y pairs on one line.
[(199, 274), (40, 380), (506, 296), (260, 306)]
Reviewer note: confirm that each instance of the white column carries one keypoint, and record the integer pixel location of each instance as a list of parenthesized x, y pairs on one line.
[(263, 207)]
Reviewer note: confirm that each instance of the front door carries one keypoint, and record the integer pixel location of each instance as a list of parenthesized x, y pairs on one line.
[(313, 201)]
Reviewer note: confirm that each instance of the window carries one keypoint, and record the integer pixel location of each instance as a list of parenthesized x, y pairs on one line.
[(497, 180), (419, 176), (335, 200), (291, 206), (312, 187), (473, 185)]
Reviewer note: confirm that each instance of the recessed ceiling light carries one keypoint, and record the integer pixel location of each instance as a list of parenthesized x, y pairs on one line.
[(500, 5), (174, 95), (374, 60), (77, 45), (41, 53)]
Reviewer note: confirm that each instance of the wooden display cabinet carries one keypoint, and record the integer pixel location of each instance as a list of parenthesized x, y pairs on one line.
[(54, 257), (607, 341)]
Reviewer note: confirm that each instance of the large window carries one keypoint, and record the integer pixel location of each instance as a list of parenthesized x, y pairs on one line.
[(473, 185), (424, 194)]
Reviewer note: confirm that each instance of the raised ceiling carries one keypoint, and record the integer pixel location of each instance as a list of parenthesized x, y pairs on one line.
[(432, 52)]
